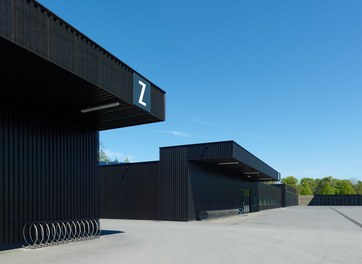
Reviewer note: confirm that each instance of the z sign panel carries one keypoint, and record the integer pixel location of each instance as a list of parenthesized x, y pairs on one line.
[(141, 92)]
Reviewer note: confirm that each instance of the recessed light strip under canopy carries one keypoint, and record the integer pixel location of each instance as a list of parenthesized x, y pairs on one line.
[(229, 163), (100, 107)]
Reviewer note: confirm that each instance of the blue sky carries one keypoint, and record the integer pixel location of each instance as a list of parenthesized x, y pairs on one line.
[(281, 78)]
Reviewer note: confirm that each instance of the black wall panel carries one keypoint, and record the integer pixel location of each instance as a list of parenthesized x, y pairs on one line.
[(208, 151), (6, 18), (130, 191), (173, 191), (269, 197), (289, 196), (158, 104), (176, 195), (213, 189), (341, 199), (186, 180), (48, 170)]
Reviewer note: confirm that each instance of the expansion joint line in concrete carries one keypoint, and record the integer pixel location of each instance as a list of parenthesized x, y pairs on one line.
[(350, 219)]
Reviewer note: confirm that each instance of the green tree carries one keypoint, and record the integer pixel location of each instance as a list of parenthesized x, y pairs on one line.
[(292, 182), (305, 189), (308, 183), (345, 187), (358, 187), (102, 156), (126, 160), (326, 186)]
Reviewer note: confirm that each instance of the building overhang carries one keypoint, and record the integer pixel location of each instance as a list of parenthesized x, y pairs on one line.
[(48, 66), (239, 169), (231, 158)]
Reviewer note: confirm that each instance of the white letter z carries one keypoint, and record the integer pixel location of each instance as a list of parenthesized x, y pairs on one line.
[(140, 100)]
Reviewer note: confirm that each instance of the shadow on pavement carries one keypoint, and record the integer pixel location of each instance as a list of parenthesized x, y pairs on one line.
[(110, 232)]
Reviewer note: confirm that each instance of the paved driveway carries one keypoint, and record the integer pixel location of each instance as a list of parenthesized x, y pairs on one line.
[(285, 235)]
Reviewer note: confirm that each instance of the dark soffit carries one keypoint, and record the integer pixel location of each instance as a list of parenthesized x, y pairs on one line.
[(39, 83)]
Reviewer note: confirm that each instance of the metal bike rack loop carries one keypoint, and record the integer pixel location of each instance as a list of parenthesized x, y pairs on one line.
[(51, 233)]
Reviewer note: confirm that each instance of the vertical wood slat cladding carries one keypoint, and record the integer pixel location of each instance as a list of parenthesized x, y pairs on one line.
[(32, 26), (338, 199), (189, 179), (212, 189), (176, 199), (209, 151), (37, 29), (173, 190), (158, 104), (130, 191), (6, 18), (50, 54), (289, 196), (267, 197), (48, 171)]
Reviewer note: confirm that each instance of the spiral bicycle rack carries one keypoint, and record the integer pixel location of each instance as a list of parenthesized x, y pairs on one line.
[(51, 233)]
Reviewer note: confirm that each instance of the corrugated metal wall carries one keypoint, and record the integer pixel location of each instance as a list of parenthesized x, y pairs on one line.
[(48, 171), (130, 191)]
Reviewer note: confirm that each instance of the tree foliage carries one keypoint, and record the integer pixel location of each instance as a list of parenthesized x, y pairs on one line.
[(290, 181), (102, 156), (345, 187), (305, 189), (358, 187), (309, 183), (327, 185)]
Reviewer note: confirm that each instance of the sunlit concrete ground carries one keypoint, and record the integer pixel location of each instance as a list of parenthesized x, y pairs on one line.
[(286, 235)]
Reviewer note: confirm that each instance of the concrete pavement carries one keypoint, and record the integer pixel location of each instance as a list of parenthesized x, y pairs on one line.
[(285, 235)]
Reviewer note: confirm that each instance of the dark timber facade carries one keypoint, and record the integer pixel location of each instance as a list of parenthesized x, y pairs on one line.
[(58, 88), (337, 199), (187, 180)]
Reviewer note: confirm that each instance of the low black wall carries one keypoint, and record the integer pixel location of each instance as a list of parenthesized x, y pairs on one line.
[(348, 200), (130, 191)]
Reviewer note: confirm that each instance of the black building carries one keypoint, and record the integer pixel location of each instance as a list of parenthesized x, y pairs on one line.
[(187, 180), (58, 88), (289, 195)]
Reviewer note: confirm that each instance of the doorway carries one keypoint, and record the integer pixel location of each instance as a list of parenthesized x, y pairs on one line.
[(246, 200)]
